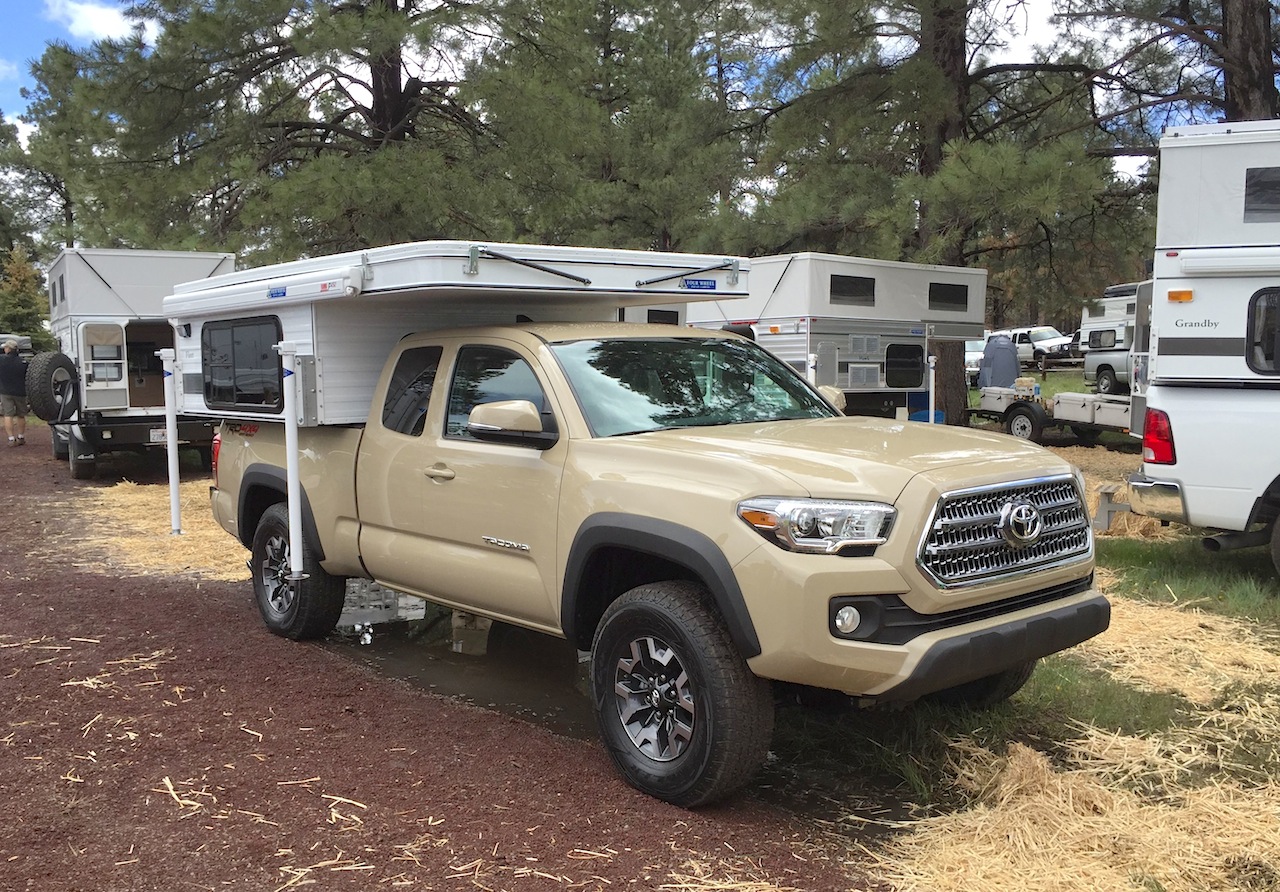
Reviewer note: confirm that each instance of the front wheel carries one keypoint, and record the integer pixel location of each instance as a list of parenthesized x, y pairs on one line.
[(297, 609), (681, 715)]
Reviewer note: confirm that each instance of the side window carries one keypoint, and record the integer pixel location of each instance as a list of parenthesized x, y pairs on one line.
[(408, 394), (240, 366), (486, 375), (904, 365), (1263, 335)]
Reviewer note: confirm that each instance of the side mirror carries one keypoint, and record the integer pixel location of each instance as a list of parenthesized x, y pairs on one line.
[(514, 422), (833, 395)]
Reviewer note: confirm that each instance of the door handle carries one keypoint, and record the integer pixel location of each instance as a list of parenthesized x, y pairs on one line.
[(438, 473)]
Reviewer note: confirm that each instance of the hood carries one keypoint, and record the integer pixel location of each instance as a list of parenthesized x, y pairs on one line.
[(858, 457)]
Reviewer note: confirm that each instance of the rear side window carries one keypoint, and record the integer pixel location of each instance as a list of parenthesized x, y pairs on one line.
[(408, 394), (240, 366), (1263, 335)]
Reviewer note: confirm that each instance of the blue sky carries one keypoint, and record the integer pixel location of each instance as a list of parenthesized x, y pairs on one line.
[(29, 25)]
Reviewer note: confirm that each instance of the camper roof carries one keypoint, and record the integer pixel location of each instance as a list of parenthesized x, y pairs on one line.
[(474, 272)]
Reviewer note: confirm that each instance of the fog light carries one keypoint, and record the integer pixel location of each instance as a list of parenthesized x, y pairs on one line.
[(847, 619)]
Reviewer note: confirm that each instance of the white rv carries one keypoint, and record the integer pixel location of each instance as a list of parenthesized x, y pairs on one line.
[(103, 391), (863, 326), (1212, 374)]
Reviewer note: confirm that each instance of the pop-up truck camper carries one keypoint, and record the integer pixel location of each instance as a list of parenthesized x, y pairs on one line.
[(102, 391), (862, 326)]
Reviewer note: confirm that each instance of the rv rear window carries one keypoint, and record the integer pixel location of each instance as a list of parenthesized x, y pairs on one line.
[(946, 296), (1262, 195), (240, 367), (858, 291), (1264, 332)]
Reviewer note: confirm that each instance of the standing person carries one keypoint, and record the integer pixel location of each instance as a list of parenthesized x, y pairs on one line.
[(13, 393)]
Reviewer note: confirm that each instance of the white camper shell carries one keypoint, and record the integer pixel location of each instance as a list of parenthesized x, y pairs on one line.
[(103, 392), (341, 314), (1114, 312), (1212, 392), (860, 325)]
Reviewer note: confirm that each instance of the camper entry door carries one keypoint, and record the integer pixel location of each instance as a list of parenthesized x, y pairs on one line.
[(103, 375)]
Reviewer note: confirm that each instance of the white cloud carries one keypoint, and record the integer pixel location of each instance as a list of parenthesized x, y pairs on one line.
[(87, 20), (9, 71)]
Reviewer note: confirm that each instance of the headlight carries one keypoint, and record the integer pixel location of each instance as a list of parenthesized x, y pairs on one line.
[(816, 526)]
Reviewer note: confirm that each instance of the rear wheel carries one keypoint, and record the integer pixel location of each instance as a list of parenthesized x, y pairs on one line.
[(297, 609), (681, 715), (58, 442), (1107, 382), (1025, 423), (984, 692)]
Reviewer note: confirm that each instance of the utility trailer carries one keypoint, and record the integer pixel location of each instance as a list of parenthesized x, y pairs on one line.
[(862, 326), (1026, 415), (102, 391)]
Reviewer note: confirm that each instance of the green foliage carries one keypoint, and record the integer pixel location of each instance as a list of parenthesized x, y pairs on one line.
[(1240, 584), (23, 310)]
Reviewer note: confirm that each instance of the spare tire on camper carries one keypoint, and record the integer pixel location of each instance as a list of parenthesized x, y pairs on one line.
[(53, 387)]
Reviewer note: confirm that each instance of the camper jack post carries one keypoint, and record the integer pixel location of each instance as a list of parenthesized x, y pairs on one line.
[(293, 484), (167, 357)]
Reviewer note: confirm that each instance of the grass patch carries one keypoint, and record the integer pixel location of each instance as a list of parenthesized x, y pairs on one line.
[(1239, 584)]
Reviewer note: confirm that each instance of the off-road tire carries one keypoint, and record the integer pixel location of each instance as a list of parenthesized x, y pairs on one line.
[(59, 446), (681, 715), (982, 693), (1107, 382), (301, 609), (1025, 423), (52, 386), (1275, 544)]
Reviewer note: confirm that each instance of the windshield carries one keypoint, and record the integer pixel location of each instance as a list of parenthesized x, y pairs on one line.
[(1045, 334), (974, 346), (632, 385)]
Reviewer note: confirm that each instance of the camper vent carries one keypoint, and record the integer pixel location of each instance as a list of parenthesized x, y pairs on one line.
[(864, 345), (864, 376), (964, 543)]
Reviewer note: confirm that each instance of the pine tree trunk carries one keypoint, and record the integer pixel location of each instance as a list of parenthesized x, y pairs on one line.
[(1248, 75)]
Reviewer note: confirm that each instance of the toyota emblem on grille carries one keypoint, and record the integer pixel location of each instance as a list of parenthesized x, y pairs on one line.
[(1020, 523)]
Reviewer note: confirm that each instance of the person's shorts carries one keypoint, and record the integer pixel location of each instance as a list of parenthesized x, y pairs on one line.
[(13, 406)]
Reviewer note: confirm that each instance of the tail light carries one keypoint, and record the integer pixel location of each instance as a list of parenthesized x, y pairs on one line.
[(213, 463), (1157, 439)]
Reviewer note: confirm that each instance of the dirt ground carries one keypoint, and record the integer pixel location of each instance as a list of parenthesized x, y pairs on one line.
[(153, 735)]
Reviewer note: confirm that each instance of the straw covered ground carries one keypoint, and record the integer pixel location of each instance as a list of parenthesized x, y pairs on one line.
[(1195, 807)]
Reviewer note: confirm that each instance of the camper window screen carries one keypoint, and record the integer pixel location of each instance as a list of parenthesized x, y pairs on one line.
[(1262, 195), (948, 296), (240, 365), (1264, 332), (858, 291)]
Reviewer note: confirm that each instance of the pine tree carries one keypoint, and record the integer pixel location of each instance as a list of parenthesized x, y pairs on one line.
[(23, 310)]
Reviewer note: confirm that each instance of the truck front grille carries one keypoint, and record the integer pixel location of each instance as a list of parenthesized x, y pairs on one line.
[(978, 535)]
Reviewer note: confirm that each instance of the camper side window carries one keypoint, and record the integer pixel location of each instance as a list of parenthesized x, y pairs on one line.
[(240, 365), (1263, 337)]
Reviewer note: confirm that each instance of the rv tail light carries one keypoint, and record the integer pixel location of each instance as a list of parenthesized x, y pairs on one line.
[(1157, 439), (213, 456), (1180, 296)]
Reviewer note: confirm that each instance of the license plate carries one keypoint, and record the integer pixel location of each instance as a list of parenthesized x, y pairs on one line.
[(158, 435)]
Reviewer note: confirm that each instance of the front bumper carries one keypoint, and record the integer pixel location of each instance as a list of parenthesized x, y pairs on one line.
[(1161, 499)]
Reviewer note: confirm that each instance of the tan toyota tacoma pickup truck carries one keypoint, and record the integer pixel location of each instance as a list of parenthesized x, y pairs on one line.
[(687, 508)]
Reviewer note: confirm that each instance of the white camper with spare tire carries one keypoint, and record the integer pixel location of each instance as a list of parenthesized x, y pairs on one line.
[(102, 391)]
